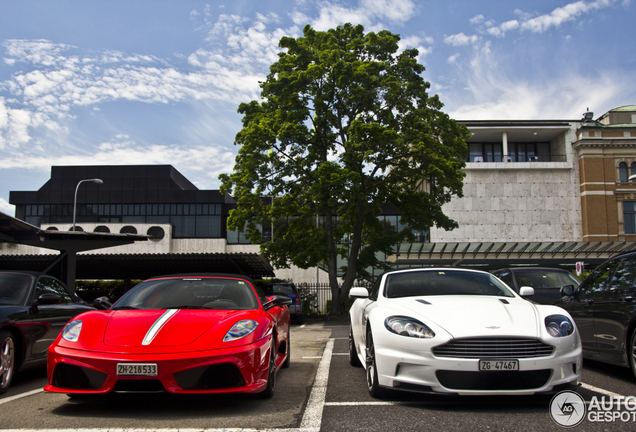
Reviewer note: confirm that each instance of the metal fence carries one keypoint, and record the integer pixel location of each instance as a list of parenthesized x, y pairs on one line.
[(317, 298)]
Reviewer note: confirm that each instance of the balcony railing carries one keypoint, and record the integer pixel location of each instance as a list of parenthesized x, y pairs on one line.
[(517, 158)]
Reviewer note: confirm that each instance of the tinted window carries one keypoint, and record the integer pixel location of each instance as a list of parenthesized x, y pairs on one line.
[(14, 289), (190, 293), (596, 280), (280, 289), (625, 274), (444, 282), (539, 278), (47, 285), (506, 276), (373, 295)]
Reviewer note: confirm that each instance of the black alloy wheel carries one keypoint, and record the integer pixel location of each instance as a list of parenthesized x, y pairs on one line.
[(354, 360), (287, 361), (372, 370), (271, 375), (631, 352), (7, 360)]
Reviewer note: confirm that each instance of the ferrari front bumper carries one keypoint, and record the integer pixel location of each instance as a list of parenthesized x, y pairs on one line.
[(241, 369)]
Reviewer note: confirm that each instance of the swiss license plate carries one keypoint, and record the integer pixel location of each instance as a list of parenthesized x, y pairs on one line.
[(144, 369), (498, 365)]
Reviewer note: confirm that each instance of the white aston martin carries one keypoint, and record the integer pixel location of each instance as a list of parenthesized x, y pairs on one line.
[(449, 330)]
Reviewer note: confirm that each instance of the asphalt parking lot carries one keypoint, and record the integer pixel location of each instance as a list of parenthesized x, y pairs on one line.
[(319, 392)]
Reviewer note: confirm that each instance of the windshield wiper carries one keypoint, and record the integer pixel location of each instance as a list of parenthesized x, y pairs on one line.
[(187, 307), (125, 308)]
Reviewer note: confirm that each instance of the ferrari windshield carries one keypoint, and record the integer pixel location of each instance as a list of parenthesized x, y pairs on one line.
[(14, 289), (190, 293), (443, 282)]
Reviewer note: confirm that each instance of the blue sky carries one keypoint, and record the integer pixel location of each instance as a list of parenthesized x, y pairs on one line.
[(159, 82)]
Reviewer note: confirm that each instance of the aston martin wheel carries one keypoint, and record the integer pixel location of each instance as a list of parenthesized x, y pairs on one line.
[(7, 360), (271, 375), (631, 353), (354, 360), (372, 371)]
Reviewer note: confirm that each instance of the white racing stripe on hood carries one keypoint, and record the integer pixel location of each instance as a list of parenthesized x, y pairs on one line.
[(158, 325)]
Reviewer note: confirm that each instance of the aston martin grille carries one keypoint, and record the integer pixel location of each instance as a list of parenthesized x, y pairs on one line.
[(483, 348)]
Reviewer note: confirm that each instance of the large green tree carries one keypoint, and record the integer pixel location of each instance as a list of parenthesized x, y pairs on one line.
[(344, 124)]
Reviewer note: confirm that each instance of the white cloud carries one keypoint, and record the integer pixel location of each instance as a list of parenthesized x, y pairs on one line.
[(495, 91), (563, 14), (461, 39), (478, 19), (453, 59)]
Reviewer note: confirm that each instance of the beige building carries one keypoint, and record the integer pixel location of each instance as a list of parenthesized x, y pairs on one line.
[(605, 152)]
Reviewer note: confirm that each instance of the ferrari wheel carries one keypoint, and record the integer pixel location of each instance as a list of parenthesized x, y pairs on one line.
[(631, 353), (354, 360), (287, 361), (7, 360), (372, 370), (271, 375)]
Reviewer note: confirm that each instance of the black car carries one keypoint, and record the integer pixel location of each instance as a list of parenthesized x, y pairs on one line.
[(34, 307), (546, 282), (289, 289), (604, 310)]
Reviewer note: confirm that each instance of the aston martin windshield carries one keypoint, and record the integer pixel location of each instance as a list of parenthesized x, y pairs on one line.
[(190, 293), (444, 282)]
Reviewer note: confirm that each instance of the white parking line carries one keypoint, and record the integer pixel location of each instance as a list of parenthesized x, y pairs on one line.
[(601, 391), (20, 396), (312, 418)]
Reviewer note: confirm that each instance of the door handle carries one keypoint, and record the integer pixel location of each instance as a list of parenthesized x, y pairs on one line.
[(628, 298)]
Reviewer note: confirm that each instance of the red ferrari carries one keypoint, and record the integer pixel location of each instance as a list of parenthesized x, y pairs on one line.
[(202, 333)]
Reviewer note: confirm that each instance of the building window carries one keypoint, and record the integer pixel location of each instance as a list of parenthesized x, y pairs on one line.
[(529, 152), (633, 169), (629, 216), (622, 172), (485, 152)]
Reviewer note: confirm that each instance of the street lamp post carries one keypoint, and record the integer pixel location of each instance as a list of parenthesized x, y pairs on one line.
[(95, 180)]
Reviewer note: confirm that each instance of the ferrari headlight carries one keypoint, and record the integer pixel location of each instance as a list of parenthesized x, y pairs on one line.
[(559, 326), (406, 326), (72, 331), (240, 330)]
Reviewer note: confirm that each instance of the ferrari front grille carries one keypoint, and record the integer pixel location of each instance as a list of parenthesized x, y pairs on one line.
[(78, 378), (499, 348), (218, 376), (138, 386)]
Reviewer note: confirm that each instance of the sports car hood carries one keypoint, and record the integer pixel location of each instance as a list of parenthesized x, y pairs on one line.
[(467, 316), (161, 328)]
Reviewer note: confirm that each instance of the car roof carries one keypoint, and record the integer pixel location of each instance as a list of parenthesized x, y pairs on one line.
[(514, 269), (406, 270), (26, 272), (194, 275)]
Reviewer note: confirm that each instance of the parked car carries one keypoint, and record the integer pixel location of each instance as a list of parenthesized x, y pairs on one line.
[(604, 310), (547, 282), (194, 333), (289, 289), (458, 331), (34, 307)]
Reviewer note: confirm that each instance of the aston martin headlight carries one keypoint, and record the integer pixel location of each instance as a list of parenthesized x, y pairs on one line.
[(240, 330), (559, 326), (72, 331), (406, 326)]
